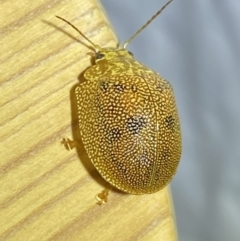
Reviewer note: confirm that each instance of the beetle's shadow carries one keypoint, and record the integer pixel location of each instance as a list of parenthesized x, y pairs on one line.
[(83, 157)]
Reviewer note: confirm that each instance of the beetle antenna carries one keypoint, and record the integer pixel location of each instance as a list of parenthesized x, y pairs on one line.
[(94, 45), (146, 24)]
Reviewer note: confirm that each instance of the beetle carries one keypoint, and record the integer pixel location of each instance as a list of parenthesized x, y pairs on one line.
[(128, 120)]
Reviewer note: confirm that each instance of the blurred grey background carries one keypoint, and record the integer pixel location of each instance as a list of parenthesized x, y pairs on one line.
[(196, 46)]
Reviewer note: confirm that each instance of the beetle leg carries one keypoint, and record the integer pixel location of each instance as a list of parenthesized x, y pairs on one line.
[(69, 144)]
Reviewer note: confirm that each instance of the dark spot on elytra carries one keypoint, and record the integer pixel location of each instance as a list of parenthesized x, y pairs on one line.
[(135, 124), (170, 122), (162, 85), (119, 88), (166, 156), (104, 85), (159, 87), (113, 134), (134, 88)]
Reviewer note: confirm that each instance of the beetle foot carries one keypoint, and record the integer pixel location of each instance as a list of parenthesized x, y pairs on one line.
[(102, 197)]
